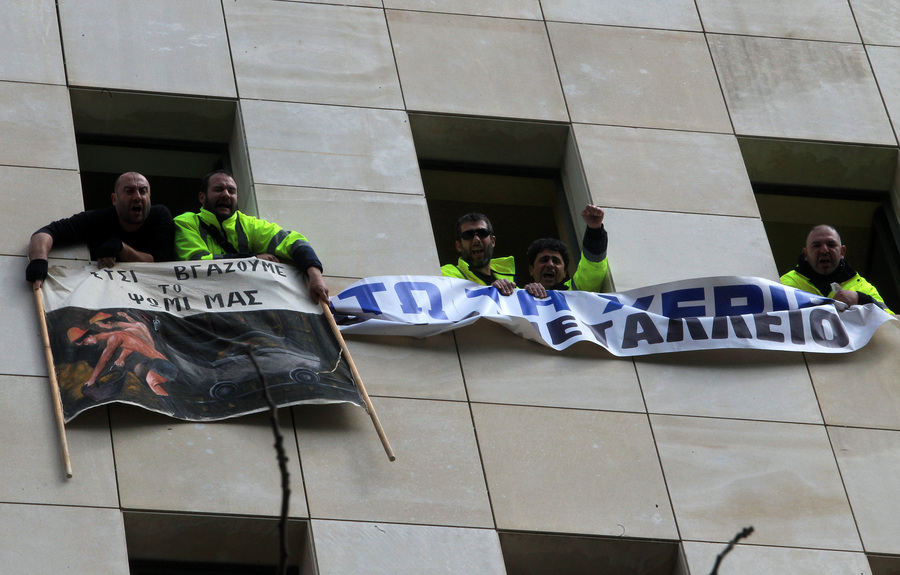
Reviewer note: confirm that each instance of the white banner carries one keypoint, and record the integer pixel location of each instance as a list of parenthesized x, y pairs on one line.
[(705, 313), (180, 288)]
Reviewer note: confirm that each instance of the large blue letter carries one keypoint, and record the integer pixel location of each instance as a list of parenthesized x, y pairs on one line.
[(364, 294), (671, 299), (529, 303), (408, 303), (488, 291), (725, 296)]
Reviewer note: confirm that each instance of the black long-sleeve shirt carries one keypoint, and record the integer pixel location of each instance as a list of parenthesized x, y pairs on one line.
[(156, 236)]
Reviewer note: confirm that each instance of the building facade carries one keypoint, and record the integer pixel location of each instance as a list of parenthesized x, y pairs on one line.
[(710, 131)]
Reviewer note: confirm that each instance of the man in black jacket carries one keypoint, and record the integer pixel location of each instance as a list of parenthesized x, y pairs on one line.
[(128, 231)]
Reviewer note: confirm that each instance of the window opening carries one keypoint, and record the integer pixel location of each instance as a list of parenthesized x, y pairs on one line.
[(884, 564), (522, 207), (525, 176), (864, 219), (799, 184), (172, 140), (538, 553), (181, 544), (173, 169)]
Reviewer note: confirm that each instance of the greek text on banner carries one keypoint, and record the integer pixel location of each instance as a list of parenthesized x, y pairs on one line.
[(704, 313)]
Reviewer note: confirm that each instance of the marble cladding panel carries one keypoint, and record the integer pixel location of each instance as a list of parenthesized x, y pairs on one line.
[(878, 21), (870, 466), (861, 388), (356, 234), (730, 383), (405, 549), (502, 367), (56, 539), (156, 46), (664, 14), (828, 20), (29, 29), (218, 467), (385, 363), (331, 147), (638, 77), (436, 478), (22, 346), (755, 559), (528, 9), (648, 248), (781, 88), (476, 66), (573, 471), (33, 197), (781, 478), (312, 53), (37, 128), (665, 170), (886, 64), (33, 470)]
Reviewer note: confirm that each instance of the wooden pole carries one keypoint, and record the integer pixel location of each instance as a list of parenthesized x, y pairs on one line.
[(54, 384), (359, 382)]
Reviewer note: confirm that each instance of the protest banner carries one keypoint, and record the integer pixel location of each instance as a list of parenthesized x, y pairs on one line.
[(705, 313), (193, 340)]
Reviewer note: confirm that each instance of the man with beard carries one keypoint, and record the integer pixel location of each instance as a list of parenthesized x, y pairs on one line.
[(822, 264), (128, 231), (219, 231), (548, 259), (475, 243)]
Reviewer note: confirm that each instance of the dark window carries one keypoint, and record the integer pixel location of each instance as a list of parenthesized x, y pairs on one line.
[(182, 544), (801, 184), (539, 553), (526, 177), (865, 221), (173, 141), (522, 208)]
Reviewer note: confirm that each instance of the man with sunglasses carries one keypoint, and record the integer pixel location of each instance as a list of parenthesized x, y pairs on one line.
[(475, 243), (219, 230)]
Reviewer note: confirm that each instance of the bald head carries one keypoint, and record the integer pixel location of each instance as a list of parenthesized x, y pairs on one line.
[(823, 249), (824, 228), (131, 198)]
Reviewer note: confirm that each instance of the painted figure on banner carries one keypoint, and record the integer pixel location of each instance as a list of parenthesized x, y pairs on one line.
[(126, 336), (130, 230), (219, 230), (821, 269), (548, 260), (475, 242)]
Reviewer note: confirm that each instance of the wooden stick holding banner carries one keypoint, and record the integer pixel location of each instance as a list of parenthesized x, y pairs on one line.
[(54, 384), (359, 382)]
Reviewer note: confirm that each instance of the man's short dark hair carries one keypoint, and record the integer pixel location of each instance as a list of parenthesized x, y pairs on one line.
[(473, 217), (204, 183), (537, 246)]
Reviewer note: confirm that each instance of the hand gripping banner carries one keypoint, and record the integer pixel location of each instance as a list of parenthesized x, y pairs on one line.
[(193, 340), (705, 313)]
